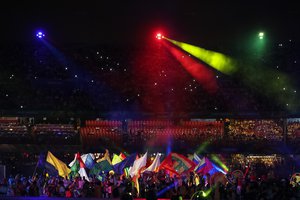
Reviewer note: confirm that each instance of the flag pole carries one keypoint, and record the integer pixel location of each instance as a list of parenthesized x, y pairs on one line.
[(37, 163)]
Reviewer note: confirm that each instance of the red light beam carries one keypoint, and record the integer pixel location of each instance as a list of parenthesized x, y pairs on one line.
[(199, 71)]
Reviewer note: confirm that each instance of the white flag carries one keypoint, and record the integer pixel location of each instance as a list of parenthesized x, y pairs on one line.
[(155, 164), (138, 164)]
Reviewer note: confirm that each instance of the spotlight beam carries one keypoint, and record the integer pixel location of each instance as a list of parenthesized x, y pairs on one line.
[(199, 71), (217, 60), (264, 80)]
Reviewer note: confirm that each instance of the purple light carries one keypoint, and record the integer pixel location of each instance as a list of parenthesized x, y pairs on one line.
[(40, 34)]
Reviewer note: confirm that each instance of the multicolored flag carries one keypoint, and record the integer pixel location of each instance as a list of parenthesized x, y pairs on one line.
[(102, 166), (204, 167), (78, 167), (196, 159), (177, 164), (127, 162)]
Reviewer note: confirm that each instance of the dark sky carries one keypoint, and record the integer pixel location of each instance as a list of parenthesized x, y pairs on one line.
[(132, 21)]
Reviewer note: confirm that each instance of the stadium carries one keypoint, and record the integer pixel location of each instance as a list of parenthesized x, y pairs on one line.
[(149, 112)]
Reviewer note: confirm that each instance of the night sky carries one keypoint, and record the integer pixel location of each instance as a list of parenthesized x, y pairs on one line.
[(133, 21)]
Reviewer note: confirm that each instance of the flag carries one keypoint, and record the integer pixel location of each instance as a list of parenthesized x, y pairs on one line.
[(77, 167), (155, 164), (122, 156), (105, 157), (177, 164), (88, 160), (216, 169), (200, 165), (103, 165), (73, 161), (61, 167), (116, 159), (41, 160), (127, 162), (135, 180), (204, 167), (126, 172), (83, 174), (50, 169), (190, 156), (82, 171), (100, 167), (138, 164), (74, 168), (196, 159)]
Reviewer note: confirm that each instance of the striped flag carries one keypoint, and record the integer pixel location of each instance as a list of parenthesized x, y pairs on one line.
[(196, 158), (82, 171), (204, 167)]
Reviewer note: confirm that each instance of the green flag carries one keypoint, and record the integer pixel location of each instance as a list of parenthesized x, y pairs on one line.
[(74, 169), (102, 166)]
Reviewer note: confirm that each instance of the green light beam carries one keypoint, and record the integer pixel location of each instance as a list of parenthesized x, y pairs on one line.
[(219, 162), (266, 81), (202, 147)]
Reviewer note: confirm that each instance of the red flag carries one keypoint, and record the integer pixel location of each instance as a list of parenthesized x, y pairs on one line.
[(122, 156), (177, 164)]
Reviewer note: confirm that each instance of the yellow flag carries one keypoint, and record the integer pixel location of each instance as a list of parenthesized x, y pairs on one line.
[(116, 159), (105, 157), (61, 167)]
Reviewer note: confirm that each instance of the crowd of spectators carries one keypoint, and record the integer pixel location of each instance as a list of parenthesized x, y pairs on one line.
[(162, 132), (11, 130), (102, 133), (55, 134), (20, 130), (255, 130), (293, 131), (152, 133)]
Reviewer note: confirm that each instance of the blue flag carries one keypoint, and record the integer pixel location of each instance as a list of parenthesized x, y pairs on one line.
[(127, 162), (89, 162), (43, 164)]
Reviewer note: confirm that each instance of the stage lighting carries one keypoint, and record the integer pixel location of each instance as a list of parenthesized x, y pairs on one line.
[(40, 34), (261, 35), (159, 36)]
